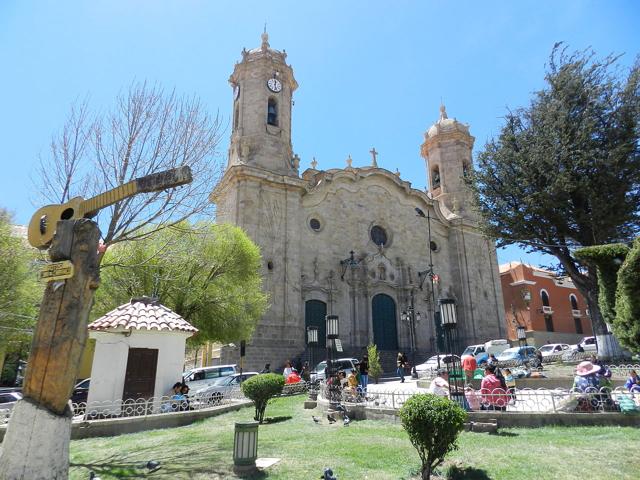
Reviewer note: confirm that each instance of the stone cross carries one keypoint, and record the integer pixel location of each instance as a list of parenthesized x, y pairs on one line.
[(374, 154)]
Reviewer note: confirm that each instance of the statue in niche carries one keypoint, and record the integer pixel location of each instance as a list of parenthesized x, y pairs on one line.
[(315, 269), (382, 272)]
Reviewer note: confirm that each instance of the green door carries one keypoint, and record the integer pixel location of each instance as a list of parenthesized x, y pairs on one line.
[(315, 312), (385, 333)]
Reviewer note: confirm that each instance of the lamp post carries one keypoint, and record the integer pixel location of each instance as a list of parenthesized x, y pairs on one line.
[(312, 341), (412, 317), (434, 279), (521, 333), (332, 335), (454, 369)]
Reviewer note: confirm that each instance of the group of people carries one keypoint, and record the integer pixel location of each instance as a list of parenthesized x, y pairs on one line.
[(353, 385), (295, 375), (497, 388), (178, 399)]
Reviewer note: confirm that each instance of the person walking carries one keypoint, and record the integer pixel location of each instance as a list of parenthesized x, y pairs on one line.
[(364, 373), (469, 365), (400, 363)]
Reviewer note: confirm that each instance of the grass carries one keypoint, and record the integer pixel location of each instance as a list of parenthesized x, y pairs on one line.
[(364, 450)]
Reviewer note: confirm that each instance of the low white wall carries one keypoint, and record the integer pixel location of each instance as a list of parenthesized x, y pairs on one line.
[(110, 361)]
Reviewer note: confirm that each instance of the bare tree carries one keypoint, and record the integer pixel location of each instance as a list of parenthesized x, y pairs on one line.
[(147, 131)]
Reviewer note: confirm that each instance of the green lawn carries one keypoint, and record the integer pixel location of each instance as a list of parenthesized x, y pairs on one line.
[(369, 449)]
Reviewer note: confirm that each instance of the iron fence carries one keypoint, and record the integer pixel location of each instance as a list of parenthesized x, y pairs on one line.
[(514, 400), (83, 411)]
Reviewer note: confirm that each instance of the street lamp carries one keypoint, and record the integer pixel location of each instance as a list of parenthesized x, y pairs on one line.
[(521, 333), (434, 279), (454, 369), (332, 335), (312, 341), (412, 317)]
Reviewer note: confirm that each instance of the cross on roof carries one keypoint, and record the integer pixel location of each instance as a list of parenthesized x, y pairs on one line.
[(374, 154)]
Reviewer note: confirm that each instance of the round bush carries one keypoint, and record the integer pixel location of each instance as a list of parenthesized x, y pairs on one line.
[(262, 388), (433, 424)]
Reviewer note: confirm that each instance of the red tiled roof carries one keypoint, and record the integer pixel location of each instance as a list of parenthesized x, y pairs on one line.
[(142, 314)]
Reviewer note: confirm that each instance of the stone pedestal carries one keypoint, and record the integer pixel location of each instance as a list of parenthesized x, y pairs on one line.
[(36, 445)]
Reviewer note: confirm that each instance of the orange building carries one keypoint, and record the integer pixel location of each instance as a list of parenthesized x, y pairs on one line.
[(549, 307)]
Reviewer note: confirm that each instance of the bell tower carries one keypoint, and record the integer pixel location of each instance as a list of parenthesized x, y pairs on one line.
[(447, 151), (263, 86)]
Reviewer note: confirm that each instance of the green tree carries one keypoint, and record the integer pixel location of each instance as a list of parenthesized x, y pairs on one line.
[(375, 369), (619, 288), (627, 321), (564, 172), (19, 289), (433, 424), (207, 273)]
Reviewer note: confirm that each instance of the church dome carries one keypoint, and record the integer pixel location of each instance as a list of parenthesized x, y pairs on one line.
[(446, 125)]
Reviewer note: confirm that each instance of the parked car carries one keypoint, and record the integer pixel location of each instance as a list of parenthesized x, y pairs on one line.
[(221, 387), (8, 400), (346, 364), (431, 365), (483, 350), (198, 378), (81, 391), (518, 354), (588, 344), (552, 349)]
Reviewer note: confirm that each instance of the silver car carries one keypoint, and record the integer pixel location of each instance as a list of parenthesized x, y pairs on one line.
[(223, 387), (8, 400)]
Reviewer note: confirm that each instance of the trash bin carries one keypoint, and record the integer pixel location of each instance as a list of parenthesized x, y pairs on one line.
[(245, 446)]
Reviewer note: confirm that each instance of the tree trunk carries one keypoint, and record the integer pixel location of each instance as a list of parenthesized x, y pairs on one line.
[(607, 343), (426, 472), (36, 445), (3, 354)]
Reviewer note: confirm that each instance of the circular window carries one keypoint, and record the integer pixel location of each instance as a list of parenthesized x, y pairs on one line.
[(314, 223), (379, 235), (433, 246)]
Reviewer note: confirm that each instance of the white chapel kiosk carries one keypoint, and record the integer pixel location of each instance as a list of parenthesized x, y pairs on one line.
[(139, 353)]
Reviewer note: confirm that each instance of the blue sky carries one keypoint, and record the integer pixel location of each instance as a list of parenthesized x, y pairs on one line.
[(371, 74)]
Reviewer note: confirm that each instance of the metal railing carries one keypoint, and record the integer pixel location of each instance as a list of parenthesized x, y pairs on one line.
[(140, 407), (514, 400)]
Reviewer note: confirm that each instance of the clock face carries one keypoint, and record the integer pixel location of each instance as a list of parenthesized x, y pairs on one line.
[(274, 85), (236, 92)]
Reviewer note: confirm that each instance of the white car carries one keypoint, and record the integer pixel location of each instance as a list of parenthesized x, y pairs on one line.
[(552, 349), (431, 365), (344, 364)]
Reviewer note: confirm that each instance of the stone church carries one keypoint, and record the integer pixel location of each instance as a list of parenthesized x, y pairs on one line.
[(348, 241)]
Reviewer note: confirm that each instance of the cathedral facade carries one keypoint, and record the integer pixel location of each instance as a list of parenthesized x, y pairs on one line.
[(348, 242)]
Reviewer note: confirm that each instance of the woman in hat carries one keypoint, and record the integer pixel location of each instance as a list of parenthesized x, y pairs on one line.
[(586, 381)]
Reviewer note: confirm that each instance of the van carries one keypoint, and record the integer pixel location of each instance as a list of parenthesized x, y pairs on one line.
[(198, 378), (482, 351)]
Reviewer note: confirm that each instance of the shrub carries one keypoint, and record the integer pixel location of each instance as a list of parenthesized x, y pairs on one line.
[(627, 322), (433, 424), (261, 389), (375, 369)]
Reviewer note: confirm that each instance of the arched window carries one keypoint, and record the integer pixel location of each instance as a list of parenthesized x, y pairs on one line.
[(272, 112), (574, 302), (545, 298), (435, 178), (235, 118)]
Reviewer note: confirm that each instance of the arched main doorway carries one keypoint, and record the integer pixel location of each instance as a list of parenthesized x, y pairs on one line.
[(315, 312), (383, 311)]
